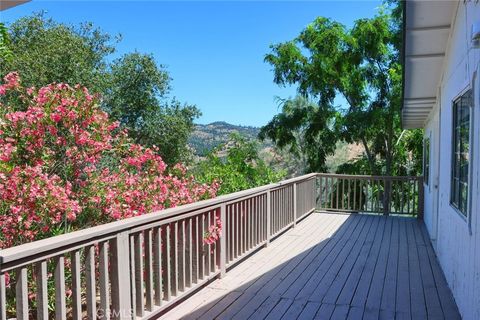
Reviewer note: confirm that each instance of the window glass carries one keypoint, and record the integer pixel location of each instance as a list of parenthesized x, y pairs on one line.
[(461, 152)]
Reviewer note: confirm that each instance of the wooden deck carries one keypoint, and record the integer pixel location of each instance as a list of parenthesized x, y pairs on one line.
[(332, 266)]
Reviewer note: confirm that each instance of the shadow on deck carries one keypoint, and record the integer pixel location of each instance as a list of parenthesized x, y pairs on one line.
[(332, 266)]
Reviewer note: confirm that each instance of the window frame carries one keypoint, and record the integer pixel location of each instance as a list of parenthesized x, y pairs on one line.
[(457, 180)]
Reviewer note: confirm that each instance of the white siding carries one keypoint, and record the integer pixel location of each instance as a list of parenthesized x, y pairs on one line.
[(432, 133), (458, 244)]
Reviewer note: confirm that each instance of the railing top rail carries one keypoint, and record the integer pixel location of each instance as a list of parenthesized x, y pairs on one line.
[(105, 231), (353, 176)]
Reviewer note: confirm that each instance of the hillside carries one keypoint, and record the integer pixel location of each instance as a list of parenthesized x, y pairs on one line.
[(208, 136)]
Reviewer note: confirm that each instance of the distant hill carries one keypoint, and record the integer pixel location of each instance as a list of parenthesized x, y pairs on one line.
[(208, 136)]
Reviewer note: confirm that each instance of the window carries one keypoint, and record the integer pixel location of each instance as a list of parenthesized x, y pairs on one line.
[(461, 152), (426, 160)]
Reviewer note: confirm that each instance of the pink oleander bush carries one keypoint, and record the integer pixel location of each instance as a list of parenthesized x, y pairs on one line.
[(214, 232), (65, 166)]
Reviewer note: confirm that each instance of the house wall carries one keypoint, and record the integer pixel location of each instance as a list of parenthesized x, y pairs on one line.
[(457, 242), (431, 186)]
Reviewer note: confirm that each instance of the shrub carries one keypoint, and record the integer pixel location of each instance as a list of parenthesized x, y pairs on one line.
[(65, 166), (237, 165)]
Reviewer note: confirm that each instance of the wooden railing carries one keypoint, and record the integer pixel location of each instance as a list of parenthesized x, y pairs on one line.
[(371, 194), (140, 266)]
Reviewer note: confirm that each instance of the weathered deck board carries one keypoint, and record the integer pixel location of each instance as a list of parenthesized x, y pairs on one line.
[(332, 266)]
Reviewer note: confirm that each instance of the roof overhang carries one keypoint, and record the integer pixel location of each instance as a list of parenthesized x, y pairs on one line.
[(6, 4), (426, 33)]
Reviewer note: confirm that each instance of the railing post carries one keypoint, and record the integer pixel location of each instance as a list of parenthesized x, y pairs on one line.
[(268, 217), (420, 206), (223, 241), (121, 306), (294, 204), (3, 294), (386, 196)]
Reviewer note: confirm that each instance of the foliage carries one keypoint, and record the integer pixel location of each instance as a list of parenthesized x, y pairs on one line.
[(46, 52), (137, 98), (5, 52), (238, 169), (133, 88), (305, 129), (136, 82), (361, 65), (64, 166)]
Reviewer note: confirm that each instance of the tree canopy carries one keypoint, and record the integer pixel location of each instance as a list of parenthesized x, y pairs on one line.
[(137, 97), (362, 66)]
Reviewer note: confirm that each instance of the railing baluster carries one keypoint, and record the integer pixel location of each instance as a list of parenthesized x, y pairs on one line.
[(268, 217), (256, 228), (213, 247), (190, 253), (207, 246), (174, 253), (42, 290), (3, 297), (139, 287), (21, 288), (76, 286), (371, 186), (281, 207), (355, 195), (243, 231), (120, 268), (202, 246), (276, 212), (243, 204), (227, 233), (251, 219), (133, 275), (166, 268), (234, 232), (295, 204), (321, 193), (197, 250), (104, 287), (408, 196), (273, 215), (157, 265), (332, 182), (414, 211), (348, 196), (239, 228), (60, 305), (223, 242), (90, 280), (149, 269), (181, 256)]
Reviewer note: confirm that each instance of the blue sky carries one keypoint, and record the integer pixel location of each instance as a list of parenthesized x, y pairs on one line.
[(213, 50)]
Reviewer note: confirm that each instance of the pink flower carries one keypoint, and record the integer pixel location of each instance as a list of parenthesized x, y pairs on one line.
[(12, 80), (56, 117)]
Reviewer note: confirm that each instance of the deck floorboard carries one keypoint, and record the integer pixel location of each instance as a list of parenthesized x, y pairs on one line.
[(332, 266)]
